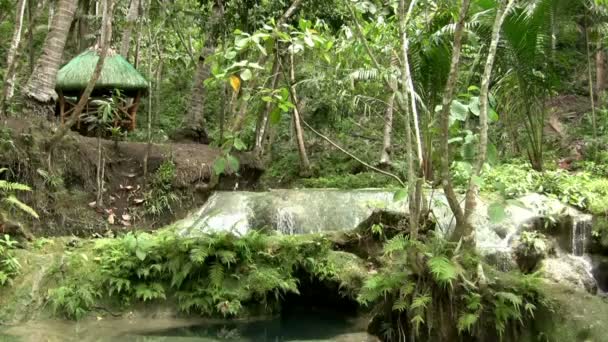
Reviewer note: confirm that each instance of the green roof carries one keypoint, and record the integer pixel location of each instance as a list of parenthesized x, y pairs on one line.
[(117, 73)]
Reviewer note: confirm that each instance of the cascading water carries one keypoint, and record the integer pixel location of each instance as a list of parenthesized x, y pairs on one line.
[(288, 211), (581, 230)]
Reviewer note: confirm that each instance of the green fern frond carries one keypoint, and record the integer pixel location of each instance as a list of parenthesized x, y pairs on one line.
[(10, 186), (13, 201), (396, 244), (421, 301), (401, 305), (226, 257), (510, 297), (467, 321), (443, 270), (216, 274)]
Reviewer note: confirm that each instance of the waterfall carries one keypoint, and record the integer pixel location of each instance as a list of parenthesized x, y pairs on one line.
[(581, 229), (285, 221)]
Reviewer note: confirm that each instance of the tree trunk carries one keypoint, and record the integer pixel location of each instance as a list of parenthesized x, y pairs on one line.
[(196, 109), (261, 131), (9, 79), (106, 38), (385, 156), (448, 97), (40, 88), (590, 75), (467, 231), (83, 26), (304, 162), (600, 72), (131, 19)]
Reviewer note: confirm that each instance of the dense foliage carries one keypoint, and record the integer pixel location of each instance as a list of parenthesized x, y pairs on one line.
[(211, 275)]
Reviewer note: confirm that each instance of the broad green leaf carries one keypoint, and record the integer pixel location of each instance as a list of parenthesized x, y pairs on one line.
[(230, 55), (458, 111), (239, 144), (496, 212), (477, 181), (275, 116), (141, 255), (246, 74), (308, 40), (400, 195), (492, 115), (233, 163), (474, 105), (219, 166)]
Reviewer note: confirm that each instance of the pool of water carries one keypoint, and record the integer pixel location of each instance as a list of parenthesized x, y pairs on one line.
[(318, 326)]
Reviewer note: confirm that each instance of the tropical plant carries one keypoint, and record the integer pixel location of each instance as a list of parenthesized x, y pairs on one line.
[(9, 266), (9, 200), (422, 287)]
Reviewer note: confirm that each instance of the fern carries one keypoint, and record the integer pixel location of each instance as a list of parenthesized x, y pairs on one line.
[(443, 270), (396, 244), (10, 187), (151, 291), (467, 321)]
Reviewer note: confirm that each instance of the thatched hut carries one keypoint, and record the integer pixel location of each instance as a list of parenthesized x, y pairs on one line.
[(117, 74)]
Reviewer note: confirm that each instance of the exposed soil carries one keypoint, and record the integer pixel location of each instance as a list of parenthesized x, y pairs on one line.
[(64, 185)]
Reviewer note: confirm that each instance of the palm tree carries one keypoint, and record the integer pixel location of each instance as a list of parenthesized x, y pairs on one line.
[(40, 88)]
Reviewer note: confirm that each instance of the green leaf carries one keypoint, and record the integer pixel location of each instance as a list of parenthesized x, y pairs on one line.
[(230, 55), (275, 116), (496, 212), (477, 181), (308, 41), (219, 166), (492, 115), (400, 195), (233, 163), (246, 74), (474, 105), (141, 255), (458, 112), (13, 201), (239, 144)]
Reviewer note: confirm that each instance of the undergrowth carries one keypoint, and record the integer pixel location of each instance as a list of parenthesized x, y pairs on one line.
[(161, 196), (9, 266), (211, 275), (439, 291), (583, 189)]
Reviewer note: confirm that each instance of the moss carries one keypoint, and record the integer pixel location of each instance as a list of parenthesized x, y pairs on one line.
[(350, 181), (573, 316)]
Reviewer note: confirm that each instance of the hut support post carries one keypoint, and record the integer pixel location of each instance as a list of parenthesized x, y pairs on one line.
[(133, 110)]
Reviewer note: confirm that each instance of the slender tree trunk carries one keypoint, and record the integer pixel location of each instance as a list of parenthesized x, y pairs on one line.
[(83, 26), (590, 75), (9, 79), (600, 72), (100, 167), (263, 119), (304, 162), (131, 20), (409, 86), (385, 156), (448, 97), (196, 109), (467, 231), (40, 88), (102, 51)]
